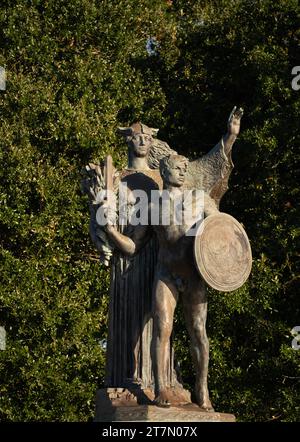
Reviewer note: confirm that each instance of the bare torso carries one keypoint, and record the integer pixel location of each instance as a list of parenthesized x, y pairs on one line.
[(175, 250), (176, 246)]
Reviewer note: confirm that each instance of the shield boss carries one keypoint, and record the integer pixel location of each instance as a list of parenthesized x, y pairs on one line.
[(222, 252)]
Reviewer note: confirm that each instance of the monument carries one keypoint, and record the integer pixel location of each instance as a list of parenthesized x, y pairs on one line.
[(152, 264)]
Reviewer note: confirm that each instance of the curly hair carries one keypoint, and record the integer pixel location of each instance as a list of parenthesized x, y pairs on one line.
[(171, 161)]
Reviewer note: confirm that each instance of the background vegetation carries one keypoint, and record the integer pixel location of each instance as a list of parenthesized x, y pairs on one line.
[(76, 69)]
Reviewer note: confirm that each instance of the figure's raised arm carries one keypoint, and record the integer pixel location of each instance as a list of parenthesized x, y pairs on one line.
[(233, 128), (212, 171)]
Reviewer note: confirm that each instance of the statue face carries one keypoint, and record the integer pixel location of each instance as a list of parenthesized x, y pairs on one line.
[(140, 144), (175, 175)]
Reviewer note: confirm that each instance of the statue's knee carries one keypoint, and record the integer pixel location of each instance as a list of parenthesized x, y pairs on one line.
[(199, 329)]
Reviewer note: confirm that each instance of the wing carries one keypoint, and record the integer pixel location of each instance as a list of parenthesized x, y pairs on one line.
[(211, 172)]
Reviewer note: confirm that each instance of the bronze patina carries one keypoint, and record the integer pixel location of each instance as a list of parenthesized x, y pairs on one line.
[(154, 266), (222, 252)]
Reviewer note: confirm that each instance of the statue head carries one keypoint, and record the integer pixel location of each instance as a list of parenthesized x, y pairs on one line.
[(173, 169), (139, 138)]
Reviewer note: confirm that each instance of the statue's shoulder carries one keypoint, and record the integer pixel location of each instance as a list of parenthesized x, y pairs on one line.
[(142, 177)]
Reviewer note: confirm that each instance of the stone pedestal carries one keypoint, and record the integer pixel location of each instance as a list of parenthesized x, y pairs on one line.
[(122, 405)]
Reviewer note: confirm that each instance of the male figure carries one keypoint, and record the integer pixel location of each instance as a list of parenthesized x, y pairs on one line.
[(176, 274)]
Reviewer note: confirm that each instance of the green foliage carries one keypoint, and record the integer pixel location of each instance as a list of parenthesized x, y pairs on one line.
[(75, 71), (243, 53), (70, 81)]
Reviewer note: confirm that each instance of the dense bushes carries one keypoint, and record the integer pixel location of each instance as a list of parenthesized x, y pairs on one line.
[(76, 70)]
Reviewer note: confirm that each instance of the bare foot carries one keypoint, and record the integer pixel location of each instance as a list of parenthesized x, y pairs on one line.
[(162, 399), (207, 406), (203, 400)]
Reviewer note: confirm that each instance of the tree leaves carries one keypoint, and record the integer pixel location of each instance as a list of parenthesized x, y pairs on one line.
[(76, 71)]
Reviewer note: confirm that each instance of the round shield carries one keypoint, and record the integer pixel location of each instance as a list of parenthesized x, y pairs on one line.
[(222, 252)]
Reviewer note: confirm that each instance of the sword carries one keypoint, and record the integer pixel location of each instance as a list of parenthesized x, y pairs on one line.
[(108, 177)]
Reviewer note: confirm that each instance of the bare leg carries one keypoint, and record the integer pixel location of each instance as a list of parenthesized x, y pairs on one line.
[(165, 299), (195, 312)]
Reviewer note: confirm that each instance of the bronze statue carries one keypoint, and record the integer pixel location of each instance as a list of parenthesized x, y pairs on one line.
[(177, 273), (128, 361)]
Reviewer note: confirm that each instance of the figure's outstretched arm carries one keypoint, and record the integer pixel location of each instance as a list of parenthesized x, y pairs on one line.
[(234, 123)]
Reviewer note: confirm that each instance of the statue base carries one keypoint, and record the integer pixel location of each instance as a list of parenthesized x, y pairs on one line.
[(122, 405)]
